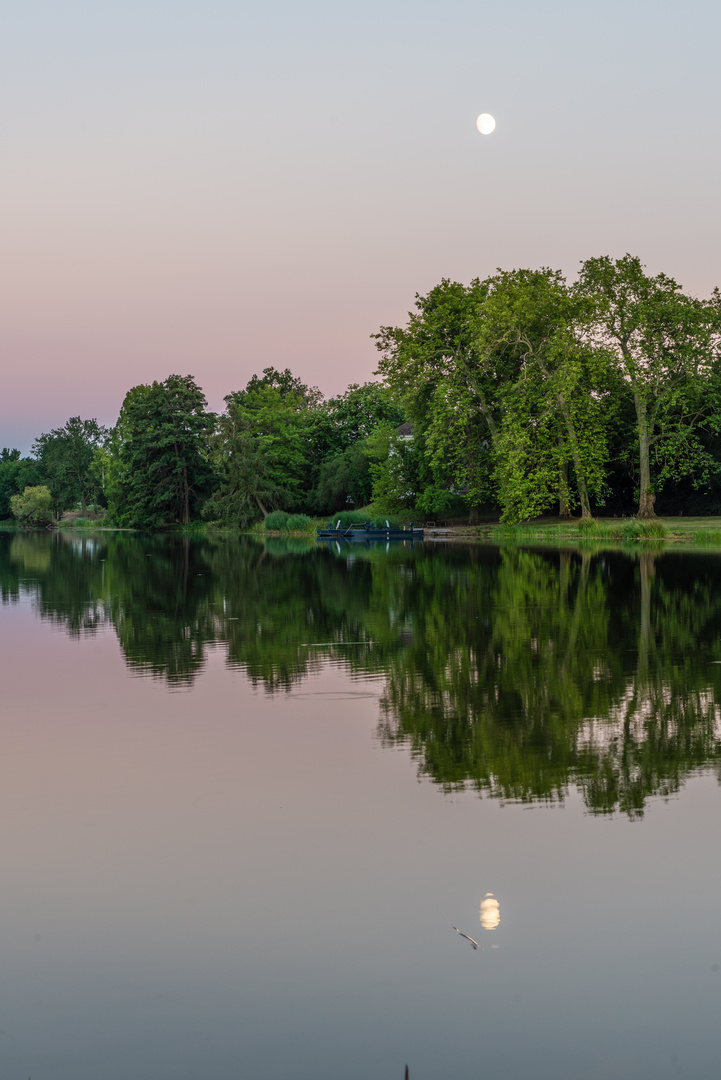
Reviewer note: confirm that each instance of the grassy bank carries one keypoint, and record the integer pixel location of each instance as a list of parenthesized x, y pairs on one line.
[(703, 532)]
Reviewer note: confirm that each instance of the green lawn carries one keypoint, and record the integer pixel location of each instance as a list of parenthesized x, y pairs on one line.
[(703, 531)]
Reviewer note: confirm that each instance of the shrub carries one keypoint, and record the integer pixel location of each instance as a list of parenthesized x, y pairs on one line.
[(380, 521), (298, 523), (277, 521), (34, 506)]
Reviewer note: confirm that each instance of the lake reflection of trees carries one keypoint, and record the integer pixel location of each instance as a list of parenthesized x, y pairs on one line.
[(515, 672), (564, 668)]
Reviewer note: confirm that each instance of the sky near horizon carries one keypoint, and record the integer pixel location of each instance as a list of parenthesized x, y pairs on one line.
[(212, 188)]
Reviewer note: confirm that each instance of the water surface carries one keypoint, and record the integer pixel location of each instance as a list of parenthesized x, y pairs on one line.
[(246, 789)]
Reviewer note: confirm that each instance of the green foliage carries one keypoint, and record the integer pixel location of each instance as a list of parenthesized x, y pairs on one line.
[(273, 418), (34, 506), (396, 463), (351, 417), (344, 476), (277, 521), (338, 431), (348, 518), (298, 523), (66, 457), (16, 473), (288, 386), (518, 394), (247, 483), (504, 398), (643, 530), (665, 346), (519, 389), (528, 463), (588, 527), (712, 537), (163, 473), (592, 530), (448, 389)]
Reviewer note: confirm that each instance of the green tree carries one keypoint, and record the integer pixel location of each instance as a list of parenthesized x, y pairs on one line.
[(503, 397), (355, 414), (339, 432), (34, 506), (66, 457), (448, 388), (272, 417), (163, 474), (287, 385), (556, 412), (247, 488), (665, 346), (558, 405), (342, 479), (16, 473), (395, 469)]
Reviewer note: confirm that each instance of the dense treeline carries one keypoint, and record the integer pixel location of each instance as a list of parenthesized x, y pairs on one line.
[(518, 394), (167, 460)]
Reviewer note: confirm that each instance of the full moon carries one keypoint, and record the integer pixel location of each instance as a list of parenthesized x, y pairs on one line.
[(485, 123)]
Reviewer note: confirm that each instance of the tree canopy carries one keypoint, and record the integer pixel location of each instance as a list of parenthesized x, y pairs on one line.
[(66, 457), (163, 474), (526, 392)]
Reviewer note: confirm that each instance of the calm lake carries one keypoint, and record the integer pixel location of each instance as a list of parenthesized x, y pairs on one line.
[(247, 789)]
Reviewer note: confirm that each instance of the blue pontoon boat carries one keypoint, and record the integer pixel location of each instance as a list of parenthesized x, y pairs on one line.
[(368, 531)]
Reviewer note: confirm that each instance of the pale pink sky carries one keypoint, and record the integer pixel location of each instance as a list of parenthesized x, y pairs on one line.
[(212, 188)]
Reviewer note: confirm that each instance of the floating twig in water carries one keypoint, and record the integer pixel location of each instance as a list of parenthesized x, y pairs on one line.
[(473, 943)]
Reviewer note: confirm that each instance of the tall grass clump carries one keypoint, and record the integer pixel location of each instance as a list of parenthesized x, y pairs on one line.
[(84, 523), (594, 530), (298, 523), (635, 530), (588, 526), (277, 521), (379, 522), (631, 531), (512, 530)]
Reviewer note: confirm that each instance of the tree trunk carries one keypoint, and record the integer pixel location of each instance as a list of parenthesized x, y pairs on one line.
[(186, 508), (577, 463), (646, 497), (583, 496), (84, 504), (263, 510), (564, 509), (473, 516)]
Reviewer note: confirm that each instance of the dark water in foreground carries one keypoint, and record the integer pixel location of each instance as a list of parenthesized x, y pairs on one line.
[(246, 790)]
